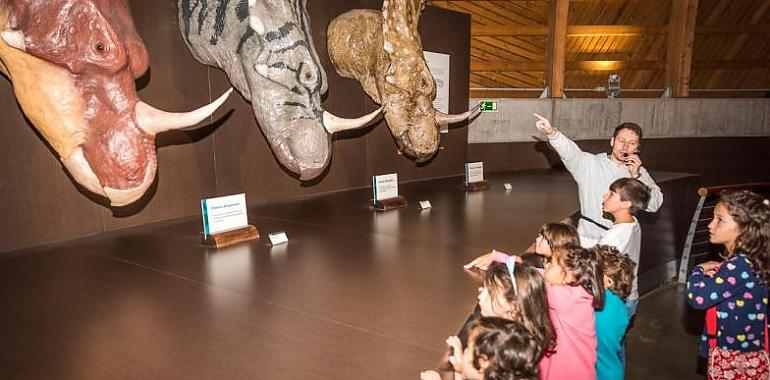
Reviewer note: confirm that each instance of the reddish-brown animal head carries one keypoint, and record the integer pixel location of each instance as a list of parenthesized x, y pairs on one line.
[(73, 64)]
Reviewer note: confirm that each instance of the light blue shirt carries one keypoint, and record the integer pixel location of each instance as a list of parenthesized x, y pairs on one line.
[(611, 325)]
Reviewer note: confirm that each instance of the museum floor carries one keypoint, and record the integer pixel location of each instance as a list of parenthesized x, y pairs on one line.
[(354, 294)]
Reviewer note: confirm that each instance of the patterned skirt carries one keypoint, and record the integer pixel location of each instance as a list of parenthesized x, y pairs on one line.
[(737, 365)]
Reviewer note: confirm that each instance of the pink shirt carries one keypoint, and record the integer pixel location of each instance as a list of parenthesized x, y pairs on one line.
[(572, 314)]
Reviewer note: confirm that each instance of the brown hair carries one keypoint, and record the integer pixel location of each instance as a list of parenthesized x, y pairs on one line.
[(751, 213), (634, 191), (511, 350), (559, 234), (586, 269), (529, 295), (633, 127), (617, 267)]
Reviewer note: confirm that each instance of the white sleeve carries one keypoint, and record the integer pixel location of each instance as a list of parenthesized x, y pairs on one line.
[(656, 196), (569, 152)]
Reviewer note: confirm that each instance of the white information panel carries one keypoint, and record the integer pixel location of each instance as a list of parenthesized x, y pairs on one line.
[(385, 186), (474, 172), (424, 205), (438, 64), (224, 213)]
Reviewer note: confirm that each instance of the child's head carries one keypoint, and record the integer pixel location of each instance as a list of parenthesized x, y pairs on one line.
[(526, 301), (553, 235), (575, 266), (501, 349), (626, 194), (742, 223), (618, 270)]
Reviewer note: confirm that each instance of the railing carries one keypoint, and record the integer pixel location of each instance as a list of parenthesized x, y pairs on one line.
[(696, 245)]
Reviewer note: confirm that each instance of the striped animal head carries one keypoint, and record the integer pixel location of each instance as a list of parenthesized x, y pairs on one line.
[(266, 49)]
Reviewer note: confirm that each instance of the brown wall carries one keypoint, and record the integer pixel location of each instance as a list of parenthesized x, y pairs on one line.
[(40, 203), (718, 160)]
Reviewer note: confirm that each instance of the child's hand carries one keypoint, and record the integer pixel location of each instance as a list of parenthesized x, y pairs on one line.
[(710, 267), (456, 356), (482, 262), (429, 375)]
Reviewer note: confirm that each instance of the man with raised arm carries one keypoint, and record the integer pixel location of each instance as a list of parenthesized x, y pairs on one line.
[(595, 172)]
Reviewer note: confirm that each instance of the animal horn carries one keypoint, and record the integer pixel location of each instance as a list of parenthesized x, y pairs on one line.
[(444, 119), (334, 124), (154, 121)]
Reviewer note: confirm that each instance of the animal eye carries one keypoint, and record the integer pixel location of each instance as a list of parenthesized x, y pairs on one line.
[(100, 47)]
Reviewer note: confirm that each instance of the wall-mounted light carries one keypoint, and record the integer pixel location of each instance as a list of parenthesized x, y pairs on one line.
[(613, 86)]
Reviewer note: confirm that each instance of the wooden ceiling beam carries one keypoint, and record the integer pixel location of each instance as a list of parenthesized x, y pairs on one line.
[(610, 30), (556, 47), (679, 47), (508, 66)]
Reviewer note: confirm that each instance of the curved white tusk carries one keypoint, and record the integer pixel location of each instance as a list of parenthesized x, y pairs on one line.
[(334, 124), (444, 119), (81, 171), (14, 39), (154, 121)]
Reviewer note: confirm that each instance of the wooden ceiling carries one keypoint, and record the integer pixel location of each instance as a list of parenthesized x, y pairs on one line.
[(730, 46)]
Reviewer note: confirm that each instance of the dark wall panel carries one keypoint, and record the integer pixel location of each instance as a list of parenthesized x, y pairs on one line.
[(718, 160)]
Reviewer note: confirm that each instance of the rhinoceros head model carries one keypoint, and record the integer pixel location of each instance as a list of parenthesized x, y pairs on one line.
[(266, 49), (72, 64), (383, 52)]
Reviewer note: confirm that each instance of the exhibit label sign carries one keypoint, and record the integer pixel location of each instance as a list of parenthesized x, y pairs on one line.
[(474, 172), (278, 238), (224, 213), (385, 186), (424, 205)]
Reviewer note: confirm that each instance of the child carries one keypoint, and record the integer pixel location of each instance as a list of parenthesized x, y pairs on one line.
[(498, 349), (612, 320), (624, 199), (735, 290), (551, 236), (524, 300), (575, 288)]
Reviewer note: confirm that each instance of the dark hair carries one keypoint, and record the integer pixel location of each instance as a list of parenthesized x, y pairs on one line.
[(510, 349), (752, 215), (559, 234), (534, 259), (633, 127), (634, 191), (617, 267), (586, 269), (531, 299)]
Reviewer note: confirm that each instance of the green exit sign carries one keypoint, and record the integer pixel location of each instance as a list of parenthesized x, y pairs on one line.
[(488, 106)]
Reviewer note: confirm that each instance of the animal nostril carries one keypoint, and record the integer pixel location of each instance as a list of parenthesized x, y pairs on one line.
[(308, 76)]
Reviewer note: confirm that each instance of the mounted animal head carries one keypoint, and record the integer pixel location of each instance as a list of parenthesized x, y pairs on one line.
[(388, 62), (266, 50), (72, 64)]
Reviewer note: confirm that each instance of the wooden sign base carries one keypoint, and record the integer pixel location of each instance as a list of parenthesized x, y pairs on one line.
[(476, 186), (390, 203), (229, 238)]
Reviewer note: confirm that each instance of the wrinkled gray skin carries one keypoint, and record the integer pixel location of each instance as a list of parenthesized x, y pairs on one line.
[(277, 70), (383, 52)]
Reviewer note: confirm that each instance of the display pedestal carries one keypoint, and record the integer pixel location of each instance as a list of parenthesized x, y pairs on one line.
[(476, 186), (390, 203), (225, 239)]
